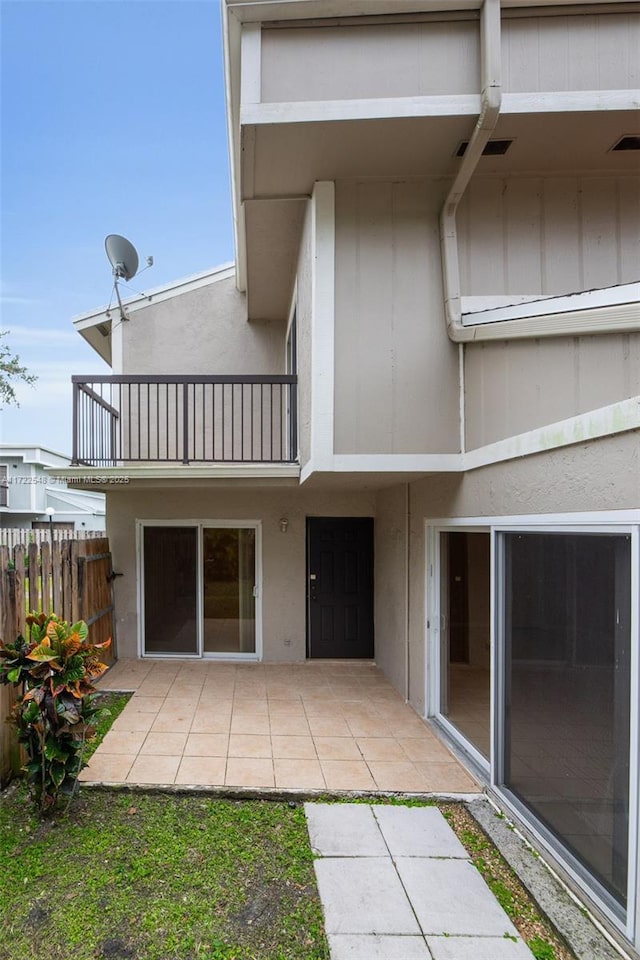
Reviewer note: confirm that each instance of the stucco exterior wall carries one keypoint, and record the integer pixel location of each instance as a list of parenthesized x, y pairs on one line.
[(602, 475), (396, 371), (390, 583), (202, 331), (283, 554)]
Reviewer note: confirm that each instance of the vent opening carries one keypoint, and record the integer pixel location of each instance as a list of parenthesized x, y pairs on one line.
[(627, 143), (494, 148)]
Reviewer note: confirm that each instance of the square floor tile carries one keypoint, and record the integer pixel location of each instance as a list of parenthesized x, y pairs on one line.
[(122, 741), (368, 726), (363, 895), (289, 726), (293, 748), (134, 721), (337, 748), (303, 774), (396, 775), (206, 745), (108, 768), (450, 896), (319, 707), (380, 748), (202, 771), (154, 769), (425, 748), (447, 777), (286, 708), (250, 724), (242, 772), (347, 775), (144, 704), (417, 832), (344, 830), (329, 727), (249, 745), (164, 744)]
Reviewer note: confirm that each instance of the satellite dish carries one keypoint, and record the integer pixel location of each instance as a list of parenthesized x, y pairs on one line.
[(122, 255)]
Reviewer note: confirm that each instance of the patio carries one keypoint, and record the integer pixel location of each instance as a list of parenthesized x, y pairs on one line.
[(315, 725)]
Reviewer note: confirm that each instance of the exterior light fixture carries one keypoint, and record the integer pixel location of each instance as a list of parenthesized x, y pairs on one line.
[(284, 523)]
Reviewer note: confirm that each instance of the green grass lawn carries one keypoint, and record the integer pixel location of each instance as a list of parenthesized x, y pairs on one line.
[(157, 877)]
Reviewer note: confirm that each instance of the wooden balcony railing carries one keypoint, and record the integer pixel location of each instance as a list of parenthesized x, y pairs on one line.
[(119, 420)]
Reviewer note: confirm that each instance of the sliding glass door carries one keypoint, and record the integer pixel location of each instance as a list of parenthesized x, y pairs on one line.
[(199, 590), (465, 634), (564, 602), (229, 588), (170, 590)]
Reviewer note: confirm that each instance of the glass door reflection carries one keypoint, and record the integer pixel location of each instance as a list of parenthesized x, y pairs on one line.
[(229, 590)]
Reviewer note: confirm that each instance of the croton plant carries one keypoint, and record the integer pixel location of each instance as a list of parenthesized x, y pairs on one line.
[(55, 709)]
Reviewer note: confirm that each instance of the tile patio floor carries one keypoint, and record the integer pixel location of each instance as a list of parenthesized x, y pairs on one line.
[(315, 725)]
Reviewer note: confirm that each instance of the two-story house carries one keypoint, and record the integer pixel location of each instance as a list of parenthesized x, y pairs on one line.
[(405, 426)]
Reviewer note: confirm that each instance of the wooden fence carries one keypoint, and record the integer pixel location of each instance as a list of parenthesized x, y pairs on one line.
[(13, 536), (72, 578)]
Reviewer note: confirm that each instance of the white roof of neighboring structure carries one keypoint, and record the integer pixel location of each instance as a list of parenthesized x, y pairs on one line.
[(33, 453)]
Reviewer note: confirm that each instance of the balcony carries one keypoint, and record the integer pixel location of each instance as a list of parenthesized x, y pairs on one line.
[(121, 420)]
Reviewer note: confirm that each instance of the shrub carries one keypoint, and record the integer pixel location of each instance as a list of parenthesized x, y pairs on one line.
[(54, 713)]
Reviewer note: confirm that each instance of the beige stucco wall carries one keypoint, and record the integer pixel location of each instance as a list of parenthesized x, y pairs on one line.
[(390, 579), (202, 331), (602, 475), (396, 371), (283, 554)]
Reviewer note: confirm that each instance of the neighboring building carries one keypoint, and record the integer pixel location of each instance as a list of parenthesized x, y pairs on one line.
[(27, 490), (415, 403)]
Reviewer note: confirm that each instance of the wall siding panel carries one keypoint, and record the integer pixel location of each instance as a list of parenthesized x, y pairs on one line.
[(551, 54), (396, 371), (354, 62), (530, 235), (517, 386)]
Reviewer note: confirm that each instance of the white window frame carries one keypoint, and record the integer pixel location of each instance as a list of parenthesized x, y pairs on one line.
[(612, 521), (199, 525)]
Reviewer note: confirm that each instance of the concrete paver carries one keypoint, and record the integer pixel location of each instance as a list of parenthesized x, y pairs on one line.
[(430, 903), (417, 832), (477, 948), (374, 947), (450, 896), (363, 895), (344, 830)]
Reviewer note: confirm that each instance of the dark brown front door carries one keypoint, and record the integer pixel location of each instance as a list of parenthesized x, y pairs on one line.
[(340, 587)]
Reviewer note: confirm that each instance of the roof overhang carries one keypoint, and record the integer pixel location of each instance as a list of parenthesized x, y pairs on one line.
[(279, 150)]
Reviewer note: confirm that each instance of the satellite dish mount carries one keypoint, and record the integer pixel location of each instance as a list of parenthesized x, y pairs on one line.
[(123, 258)]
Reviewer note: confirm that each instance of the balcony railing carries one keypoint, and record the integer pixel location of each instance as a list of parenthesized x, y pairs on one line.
[(181, 419)]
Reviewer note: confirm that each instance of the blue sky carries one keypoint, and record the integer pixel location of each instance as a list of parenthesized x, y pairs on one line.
[(112, 121)]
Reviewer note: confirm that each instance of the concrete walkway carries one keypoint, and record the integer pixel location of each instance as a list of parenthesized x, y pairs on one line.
[(396, 884)]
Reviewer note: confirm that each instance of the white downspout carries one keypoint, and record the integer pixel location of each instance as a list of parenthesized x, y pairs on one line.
[(490, 54)]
